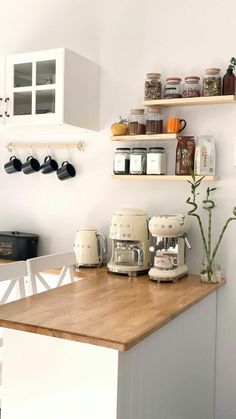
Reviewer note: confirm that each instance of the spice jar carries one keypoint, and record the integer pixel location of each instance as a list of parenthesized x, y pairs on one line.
[(137, 122), (121, 161), (173, 88), (154, 121), (211, 83), (192, 87), (152, 86), (138, 161), (156, 161)]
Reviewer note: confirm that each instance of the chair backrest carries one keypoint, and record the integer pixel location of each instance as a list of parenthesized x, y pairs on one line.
[(14, 274), (37, 266)]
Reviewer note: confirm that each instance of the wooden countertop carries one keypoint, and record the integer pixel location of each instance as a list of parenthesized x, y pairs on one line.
[(105, 309)]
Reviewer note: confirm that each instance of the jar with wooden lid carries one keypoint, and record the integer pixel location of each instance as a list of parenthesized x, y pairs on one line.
[(136, 122), (211, 83), (192, 86), (173, 88), (153, 86), (154, 121)]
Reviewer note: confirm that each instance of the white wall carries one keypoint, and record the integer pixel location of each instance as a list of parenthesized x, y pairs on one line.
[(128, 39)]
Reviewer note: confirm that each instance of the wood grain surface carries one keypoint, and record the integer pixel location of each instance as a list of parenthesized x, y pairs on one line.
[(105, 309)]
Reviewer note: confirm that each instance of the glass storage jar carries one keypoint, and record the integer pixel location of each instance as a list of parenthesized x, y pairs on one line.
[(211, 83), (153, 86), (173, 88), (156, 161), (138, 161), (192, 86), (136, 122), (121, 161), (154, 121)]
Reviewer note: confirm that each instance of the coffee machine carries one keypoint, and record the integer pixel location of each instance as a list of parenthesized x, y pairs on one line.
[(169, 251), (130, 242)]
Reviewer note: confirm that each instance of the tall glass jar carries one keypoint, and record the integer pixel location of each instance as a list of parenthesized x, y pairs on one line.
[(211, 83), (154, 121), (173, 88), (121, 161), (153, 86), (191, 86), (138, 161), (136, 122), (228, 83)]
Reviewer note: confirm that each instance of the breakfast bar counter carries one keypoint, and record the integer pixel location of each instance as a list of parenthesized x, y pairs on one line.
[(111, 347)]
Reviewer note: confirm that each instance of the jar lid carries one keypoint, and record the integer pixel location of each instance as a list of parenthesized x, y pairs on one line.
[(139, 149), (196, 78), (212, 70), (123, 149), (154, 110), (156, 148), (174, 78), (137, 111), (153, 75)]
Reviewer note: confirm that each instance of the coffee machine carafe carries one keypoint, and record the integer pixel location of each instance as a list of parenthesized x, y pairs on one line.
[(169, 251), (130, 242)]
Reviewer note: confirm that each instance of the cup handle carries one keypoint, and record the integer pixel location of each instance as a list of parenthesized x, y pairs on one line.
[(12, 157), (184, 124), (64, 162), (30, 157), (47, 158)]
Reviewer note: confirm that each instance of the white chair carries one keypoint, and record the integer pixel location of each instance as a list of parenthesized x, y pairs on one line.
[(39, 279), (12, 287)]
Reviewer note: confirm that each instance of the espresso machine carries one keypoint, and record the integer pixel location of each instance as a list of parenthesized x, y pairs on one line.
[(169, 251), (130, 242)]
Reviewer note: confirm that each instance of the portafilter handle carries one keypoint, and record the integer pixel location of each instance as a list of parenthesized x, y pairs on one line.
[(187, 243)]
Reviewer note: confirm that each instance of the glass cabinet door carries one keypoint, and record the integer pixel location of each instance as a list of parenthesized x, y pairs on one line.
[(32, 88)]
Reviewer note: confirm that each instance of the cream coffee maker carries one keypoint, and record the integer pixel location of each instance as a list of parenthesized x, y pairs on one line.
[(130, 242), (90, 247), (169, 251)]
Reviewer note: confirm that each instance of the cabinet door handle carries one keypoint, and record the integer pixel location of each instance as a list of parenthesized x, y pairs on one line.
[(6, 111), (1, 114)]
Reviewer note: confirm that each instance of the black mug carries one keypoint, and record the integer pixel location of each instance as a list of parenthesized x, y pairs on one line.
[(31, 165), (13, 166), (66, 171), (49, 166)]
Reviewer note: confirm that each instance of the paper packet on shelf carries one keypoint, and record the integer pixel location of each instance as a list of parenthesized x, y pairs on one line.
[(204, 159)]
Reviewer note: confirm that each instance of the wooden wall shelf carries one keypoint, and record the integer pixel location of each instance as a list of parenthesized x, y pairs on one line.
[(161, 177), (155, 137), (190, 101)]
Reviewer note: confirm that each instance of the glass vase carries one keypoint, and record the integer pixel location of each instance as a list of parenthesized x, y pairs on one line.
[(210, 272)]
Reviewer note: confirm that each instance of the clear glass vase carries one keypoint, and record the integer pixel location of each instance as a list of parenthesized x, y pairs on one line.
[(210, 272)]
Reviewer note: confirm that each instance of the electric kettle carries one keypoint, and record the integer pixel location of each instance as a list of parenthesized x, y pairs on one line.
[(90, 247)]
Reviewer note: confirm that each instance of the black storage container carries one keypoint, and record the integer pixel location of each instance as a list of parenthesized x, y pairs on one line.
[(18, 246)]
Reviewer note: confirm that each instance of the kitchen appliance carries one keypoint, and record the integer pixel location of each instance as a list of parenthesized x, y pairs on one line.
[(130, 242), (90, 247), (16, 245), (169, 251)]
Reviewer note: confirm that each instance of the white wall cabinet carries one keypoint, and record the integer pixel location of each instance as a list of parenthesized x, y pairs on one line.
[(49, 87)]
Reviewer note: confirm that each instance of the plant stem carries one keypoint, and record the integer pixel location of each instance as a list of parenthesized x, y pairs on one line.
[(221, 236)]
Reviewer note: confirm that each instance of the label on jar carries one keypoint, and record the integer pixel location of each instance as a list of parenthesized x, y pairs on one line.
[(119, 163), (136, 163)]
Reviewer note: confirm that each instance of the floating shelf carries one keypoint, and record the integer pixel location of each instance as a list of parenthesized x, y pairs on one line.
[(155, 137), (190, 101), (161, 177)]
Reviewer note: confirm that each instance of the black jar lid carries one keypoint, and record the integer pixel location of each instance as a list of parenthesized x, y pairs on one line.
[(156, 148), (139, 149), (123, 149)]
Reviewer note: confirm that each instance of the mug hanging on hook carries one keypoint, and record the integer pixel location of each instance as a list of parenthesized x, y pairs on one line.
[(50, 165), (31, 165), (14, 165), (66, 170)]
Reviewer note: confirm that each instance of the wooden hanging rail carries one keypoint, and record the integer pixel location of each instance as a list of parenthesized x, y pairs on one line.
[(12, 146)]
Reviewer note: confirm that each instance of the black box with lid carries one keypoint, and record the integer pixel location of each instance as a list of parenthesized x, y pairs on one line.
[(16, 245)]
